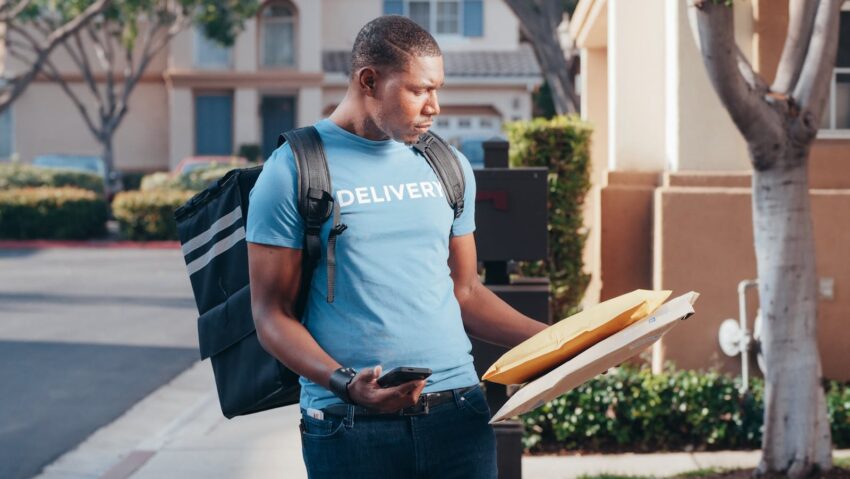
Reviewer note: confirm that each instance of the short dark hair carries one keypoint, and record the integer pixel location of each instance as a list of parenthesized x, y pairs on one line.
[(389, 41)]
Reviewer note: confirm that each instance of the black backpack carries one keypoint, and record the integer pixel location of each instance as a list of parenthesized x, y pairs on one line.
[(211, 228)]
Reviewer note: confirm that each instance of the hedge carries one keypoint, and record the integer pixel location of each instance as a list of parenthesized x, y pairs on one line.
[(148, 215), (51, 213), (562, 145), (17, 175), (196, 180), (631, 409)]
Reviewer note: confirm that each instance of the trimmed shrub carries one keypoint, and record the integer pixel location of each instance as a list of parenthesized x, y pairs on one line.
[(51, 213), (631, 409), (148, 215), (196, 180), (16, 175), (562, 145), (132, 180)]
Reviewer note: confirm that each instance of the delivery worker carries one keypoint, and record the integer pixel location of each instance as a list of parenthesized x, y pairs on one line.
[(407, 285)]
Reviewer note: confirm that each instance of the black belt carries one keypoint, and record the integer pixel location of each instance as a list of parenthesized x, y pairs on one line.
[(423, 405)]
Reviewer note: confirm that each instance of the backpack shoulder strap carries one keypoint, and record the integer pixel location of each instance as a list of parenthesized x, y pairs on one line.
[(446, 165), (315, 204)]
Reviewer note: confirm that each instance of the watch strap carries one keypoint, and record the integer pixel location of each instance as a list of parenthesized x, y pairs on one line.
[(339, 381)]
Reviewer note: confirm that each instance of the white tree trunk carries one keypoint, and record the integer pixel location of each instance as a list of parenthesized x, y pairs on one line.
[(796, 436), (779, 125)]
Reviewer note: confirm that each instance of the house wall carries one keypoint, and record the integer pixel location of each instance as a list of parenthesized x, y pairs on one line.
[(501, 27), (700, 134), (636, 83), (704, 243), (45, 121)]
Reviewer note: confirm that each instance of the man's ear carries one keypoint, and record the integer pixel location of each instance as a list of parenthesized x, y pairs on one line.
[(367, 78)]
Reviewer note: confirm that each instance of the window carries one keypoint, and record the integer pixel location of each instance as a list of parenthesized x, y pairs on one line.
[(209, 53), (6, 147), (836, 116), (448, 18), (277, 42), (442, 17)]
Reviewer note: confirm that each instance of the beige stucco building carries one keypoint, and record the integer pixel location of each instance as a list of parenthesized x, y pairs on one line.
[(671, 204), (288, 68)]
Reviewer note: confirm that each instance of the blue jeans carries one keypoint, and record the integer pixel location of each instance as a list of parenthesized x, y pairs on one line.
[(453, 440)]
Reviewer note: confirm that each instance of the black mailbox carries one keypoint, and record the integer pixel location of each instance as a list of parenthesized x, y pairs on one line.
[(510, 214), (511, 224)]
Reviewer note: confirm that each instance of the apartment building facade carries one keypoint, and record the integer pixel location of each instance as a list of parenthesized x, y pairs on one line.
[(671, 205), (287, 68)]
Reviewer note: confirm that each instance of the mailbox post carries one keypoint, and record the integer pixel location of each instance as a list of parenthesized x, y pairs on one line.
[(511, 219)]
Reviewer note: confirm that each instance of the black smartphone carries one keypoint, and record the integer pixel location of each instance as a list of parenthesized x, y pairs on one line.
[(398, 376)]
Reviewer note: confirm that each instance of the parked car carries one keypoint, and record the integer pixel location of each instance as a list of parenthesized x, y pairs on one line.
[(85, 163), (194, 162)]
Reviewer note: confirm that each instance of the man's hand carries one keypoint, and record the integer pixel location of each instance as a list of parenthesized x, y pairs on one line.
[(365, 391)]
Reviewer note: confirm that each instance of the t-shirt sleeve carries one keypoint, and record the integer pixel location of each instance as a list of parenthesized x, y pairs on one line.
[(273, 217), (465, 224)]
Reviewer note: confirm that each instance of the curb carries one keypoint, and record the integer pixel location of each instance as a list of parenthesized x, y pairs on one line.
[(87, 244)]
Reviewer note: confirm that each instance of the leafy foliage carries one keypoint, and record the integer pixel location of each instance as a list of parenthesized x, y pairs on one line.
[(148, 215), (17, 175), (51, 213), (196, 180), (631, 409), (562, 145)]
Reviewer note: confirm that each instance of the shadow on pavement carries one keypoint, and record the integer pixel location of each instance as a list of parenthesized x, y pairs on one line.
[(57, 394)]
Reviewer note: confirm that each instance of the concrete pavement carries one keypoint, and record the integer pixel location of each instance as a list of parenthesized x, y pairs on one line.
[(179, 432)]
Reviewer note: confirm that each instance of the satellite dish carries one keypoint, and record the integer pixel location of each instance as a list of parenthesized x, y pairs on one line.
[(731, 337)]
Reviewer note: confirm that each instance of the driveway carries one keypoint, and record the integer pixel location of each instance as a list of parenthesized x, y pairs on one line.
[(84, 335)]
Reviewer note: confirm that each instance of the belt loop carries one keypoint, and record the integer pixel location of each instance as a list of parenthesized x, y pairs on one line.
[(348, 422), (456, 394)]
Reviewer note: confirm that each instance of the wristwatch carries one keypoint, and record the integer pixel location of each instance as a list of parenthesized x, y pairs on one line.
[(340, 379)]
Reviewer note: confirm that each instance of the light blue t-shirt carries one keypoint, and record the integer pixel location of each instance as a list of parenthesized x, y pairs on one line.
[(394, 299)]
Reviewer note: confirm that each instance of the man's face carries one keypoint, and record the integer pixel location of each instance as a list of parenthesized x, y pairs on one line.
[(405, 101)]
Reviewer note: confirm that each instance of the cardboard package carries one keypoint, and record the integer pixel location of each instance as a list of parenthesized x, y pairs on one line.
[(565, 339), (597, 359)]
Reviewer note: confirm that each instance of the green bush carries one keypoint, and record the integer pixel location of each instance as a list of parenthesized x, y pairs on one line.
[(562, 145), (132, 180), (51, 213), (196, 180), (148, 215), (631, 409), (17, 175)]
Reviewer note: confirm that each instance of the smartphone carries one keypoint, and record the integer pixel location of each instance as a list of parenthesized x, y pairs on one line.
[(398, 376)]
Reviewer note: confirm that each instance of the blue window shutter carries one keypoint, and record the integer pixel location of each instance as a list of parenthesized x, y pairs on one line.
[(393, 7), (473, 18), (213, 124)]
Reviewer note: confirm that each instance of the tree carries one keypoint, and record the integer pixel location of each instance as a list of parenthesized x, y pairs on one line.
[(125, 37), (11, 13), (779, 123), (540, 21)]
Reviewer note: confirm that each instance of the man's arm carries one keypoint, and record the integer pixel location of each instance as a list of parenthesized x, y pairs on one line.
[(485, 315), (275, 274)]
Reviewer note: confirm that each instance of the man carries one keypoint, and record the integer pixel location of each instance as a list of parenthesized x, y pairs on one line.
[(406, 281)]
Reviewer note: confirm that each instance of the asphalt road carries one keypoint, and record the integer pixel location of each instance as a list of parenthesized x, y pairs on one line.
[(84, 335)]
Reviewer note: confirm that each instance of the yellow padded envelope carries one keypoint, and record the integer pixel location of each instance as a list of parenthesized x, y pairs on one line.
[(563, 340)]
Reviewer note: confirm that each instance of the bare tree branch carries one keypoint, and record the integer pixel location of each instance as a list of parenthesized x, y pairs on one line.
[(15, 11), (801, 20), (20, 82), (86, 70), (51, 72), (539, 22), (812, 89), (722, 58)]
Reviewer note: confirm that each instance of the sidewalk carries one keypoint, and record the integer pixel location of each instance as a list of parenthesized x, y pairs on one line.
[(179, 432)]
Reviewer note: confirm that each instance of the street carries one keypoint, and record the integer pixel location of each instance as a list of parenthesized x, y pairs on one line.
[(84, 335)]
